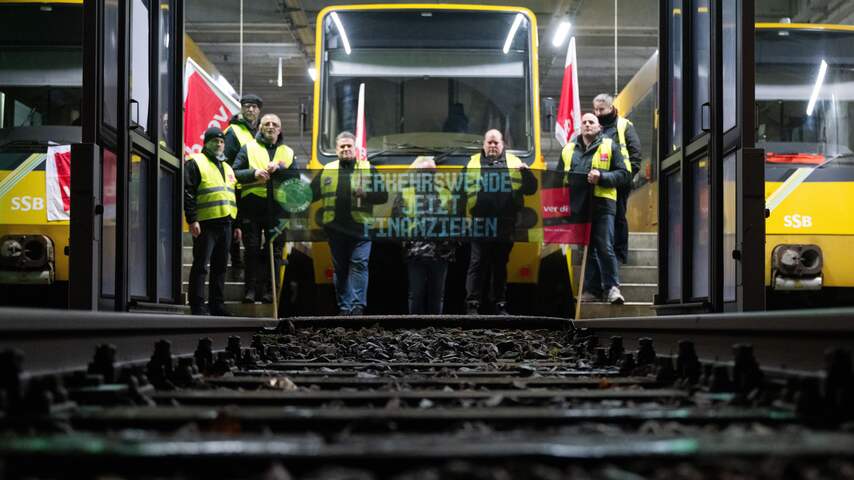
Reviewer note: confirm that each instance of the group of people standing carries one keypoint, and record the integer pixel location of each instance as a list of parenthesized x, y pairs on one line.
[(227, 200), (606, 152)]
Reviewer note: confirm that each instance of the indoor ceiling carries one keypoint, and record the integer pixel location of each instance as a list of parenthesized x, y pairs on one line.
[(284, 29)]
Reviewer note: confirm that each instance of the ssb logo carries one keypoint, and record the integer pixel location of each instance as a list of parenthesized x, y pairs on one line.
[(797, 221), (27, 203)]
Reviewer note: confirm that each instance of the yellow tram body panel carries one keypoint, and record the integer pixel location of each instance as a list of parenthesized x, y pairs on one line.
[(815, 213), (23, 211)]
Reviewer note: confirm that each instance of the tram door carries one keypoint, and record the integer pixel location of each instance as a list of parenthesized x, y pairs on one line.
[(126, 175), (711, 200)]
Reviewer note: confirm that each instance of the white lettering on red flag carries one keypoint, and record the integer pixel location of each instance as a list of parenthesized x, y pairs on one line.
[(568, 119), (205, 105), (58, 182)]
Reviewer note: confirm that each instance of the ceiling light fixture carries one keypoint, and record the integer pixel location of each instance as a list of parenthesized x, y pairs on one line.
[(561, 33), (822, 70), (341, 31), (516, 22)]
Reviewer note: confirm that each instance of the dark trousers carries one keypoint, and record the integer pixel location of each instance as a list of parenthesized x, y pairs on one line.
[(602, 271), (256, 258), (350, 257), (426, 285), (488, 268), (210, 247), (621, 226)]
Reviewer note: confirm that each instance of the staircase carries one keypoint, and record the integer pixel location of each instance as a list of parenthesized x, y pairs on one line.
[(233, 286), (638, 280)]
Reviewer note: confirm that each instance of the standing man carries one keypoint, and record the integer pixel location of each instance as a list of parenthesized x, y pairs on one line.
[(210, 208), (257, 162), (348, 188), (488, 261), (599, 159), (621, 131), (241, 130)]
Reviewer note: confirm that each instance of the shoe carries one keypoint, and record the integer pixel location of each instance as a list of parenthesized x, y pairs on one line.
[(357, 310), (615, 297), (501, 308), (219, 311), (344, 312), (267, 298), (199, 310), (587, 297), (249, 296), (472, 308)]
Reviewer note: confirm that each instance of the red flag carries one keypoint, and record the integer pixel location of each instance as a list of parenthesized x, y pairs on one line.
[(361, 136), (205, 105), (58, 182), (568, 119)]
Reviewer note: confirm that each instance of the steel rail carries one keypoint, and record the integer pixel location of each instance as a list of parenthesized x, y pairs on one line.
[(57, 341), (788, 340), (297, 419)]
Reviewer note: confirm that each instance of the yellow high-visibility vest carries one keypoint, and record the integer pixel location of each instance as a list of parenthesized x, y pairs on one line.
[(601, 161), (259, 157), (215, 195), (329, 190), (473, 177), (242, 133), (622, 125)]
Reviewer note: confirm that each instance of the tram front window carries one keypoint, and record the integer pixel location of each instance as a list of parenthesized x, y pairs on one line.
[(805, 109), (432, 79)]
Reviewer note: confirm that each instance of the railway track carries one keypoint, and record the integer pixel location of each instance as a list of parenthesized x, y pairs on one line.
[(420, 398)]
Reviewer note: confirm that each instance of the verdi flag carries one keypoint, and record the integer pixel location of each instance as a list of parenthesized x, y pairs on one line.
[(568, 119), (567, 209), (205, 105)]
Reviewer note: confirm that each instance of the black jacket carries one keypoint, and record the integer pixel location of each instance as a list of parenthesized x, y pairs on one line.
[(192, 180), (633, 145), (617, 176), (343, 202), (252, 206), (502, 205), (232, 145)]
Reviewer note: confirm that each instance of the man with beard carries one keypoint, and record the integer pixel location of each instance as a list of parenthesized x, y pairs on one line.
[(257, 162), (348, 188), (210, 208), (622, 132), (598, 158), (488, 262)]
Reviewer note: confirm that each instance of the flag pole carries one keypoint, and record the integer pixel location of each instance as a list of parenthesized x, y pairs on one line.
[(581, 281)]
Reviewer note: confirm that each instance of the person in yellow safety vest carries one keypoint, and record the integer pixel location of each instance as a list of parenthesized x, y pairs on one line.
[(347, 189), (242, 128), (622, 131), (598, 157), (496, 182), (426, 259), (258, 161), (210, 208)]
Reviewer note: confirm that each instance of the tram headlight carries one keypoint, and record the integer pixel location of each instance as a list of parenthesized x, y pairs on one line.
[(10, 249), (25, 251), (797, 260)]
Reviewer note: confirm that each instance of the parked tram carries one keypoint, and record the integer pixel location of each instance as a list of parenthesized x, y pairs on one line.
[(805, 123), (436, 77), (41, 86)]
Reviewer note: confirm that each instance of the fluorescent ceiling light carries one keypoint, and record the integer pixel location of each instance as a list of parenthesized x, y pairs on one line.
[(312, 74), (279, 81), (560, 34), (340, 27), (822, 70), (516, 22)]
